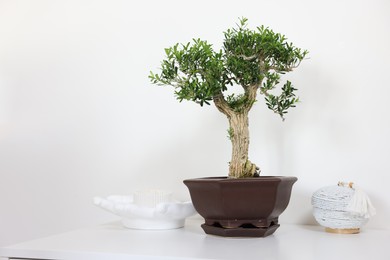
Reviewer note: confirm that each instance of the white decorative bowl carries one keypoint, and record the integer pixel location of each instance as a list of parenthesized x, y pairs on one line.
[(332, 208), (151, 209)]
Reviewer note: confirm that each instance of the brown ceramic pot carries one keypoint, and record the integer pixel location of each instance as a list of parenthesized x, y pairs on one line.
[(247, 207)]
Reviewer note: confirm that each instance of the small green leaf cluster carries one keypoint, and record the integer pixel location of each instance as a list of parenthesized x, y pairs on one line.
[(251, 53), (196, 71), (230, 133), (280, 104), (253, 59), (238, 102)]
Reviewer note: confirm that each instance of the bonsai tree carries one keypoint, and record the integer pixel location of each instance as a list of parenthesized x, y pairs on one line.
[(252, 59)]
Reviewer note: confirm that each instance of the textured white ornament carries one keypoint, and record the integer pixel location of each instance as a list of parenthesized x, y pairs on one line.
[(149, 209), (342, 206)]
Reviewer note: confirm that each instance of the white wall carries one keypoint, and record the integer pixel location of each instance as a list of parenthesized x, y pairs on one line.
[(79, 118)]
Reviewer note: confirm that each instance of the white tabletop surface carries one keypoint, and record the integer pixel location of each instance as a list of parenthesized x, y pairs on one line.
[(113, 242)]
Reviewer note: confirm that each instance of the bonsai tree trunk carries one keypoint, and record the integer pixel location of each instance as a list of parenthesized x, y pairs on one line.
[(240, 166)]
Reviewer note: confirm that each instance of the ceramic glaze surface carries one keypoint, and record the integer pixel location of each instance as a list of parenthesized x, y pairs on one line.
[(154, 212), (247, 207)]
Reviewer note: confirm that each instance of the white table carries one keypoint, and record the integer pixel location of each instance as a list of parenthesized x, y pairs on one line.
[(114, 242)]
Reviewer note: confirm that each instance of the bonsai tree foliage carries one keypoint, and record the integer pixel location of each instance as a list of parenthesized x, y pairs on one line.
[(252, 59)]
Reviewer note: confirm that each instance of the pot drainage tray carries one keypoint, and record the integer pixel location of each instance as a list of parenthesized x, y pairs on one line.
[(240, 231)]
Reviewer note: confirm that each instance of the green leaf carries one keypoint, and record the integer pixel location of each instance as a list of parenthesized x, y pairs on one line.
[(248, 58)]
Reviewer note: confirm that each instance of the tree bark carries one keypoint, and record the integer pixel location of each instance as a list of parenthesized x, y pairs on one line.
[(240, 166), (222, 105)]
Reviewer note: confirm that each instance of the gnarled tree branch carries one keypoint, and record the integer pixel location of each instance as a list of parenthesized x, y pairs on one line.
[(222, 105)]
